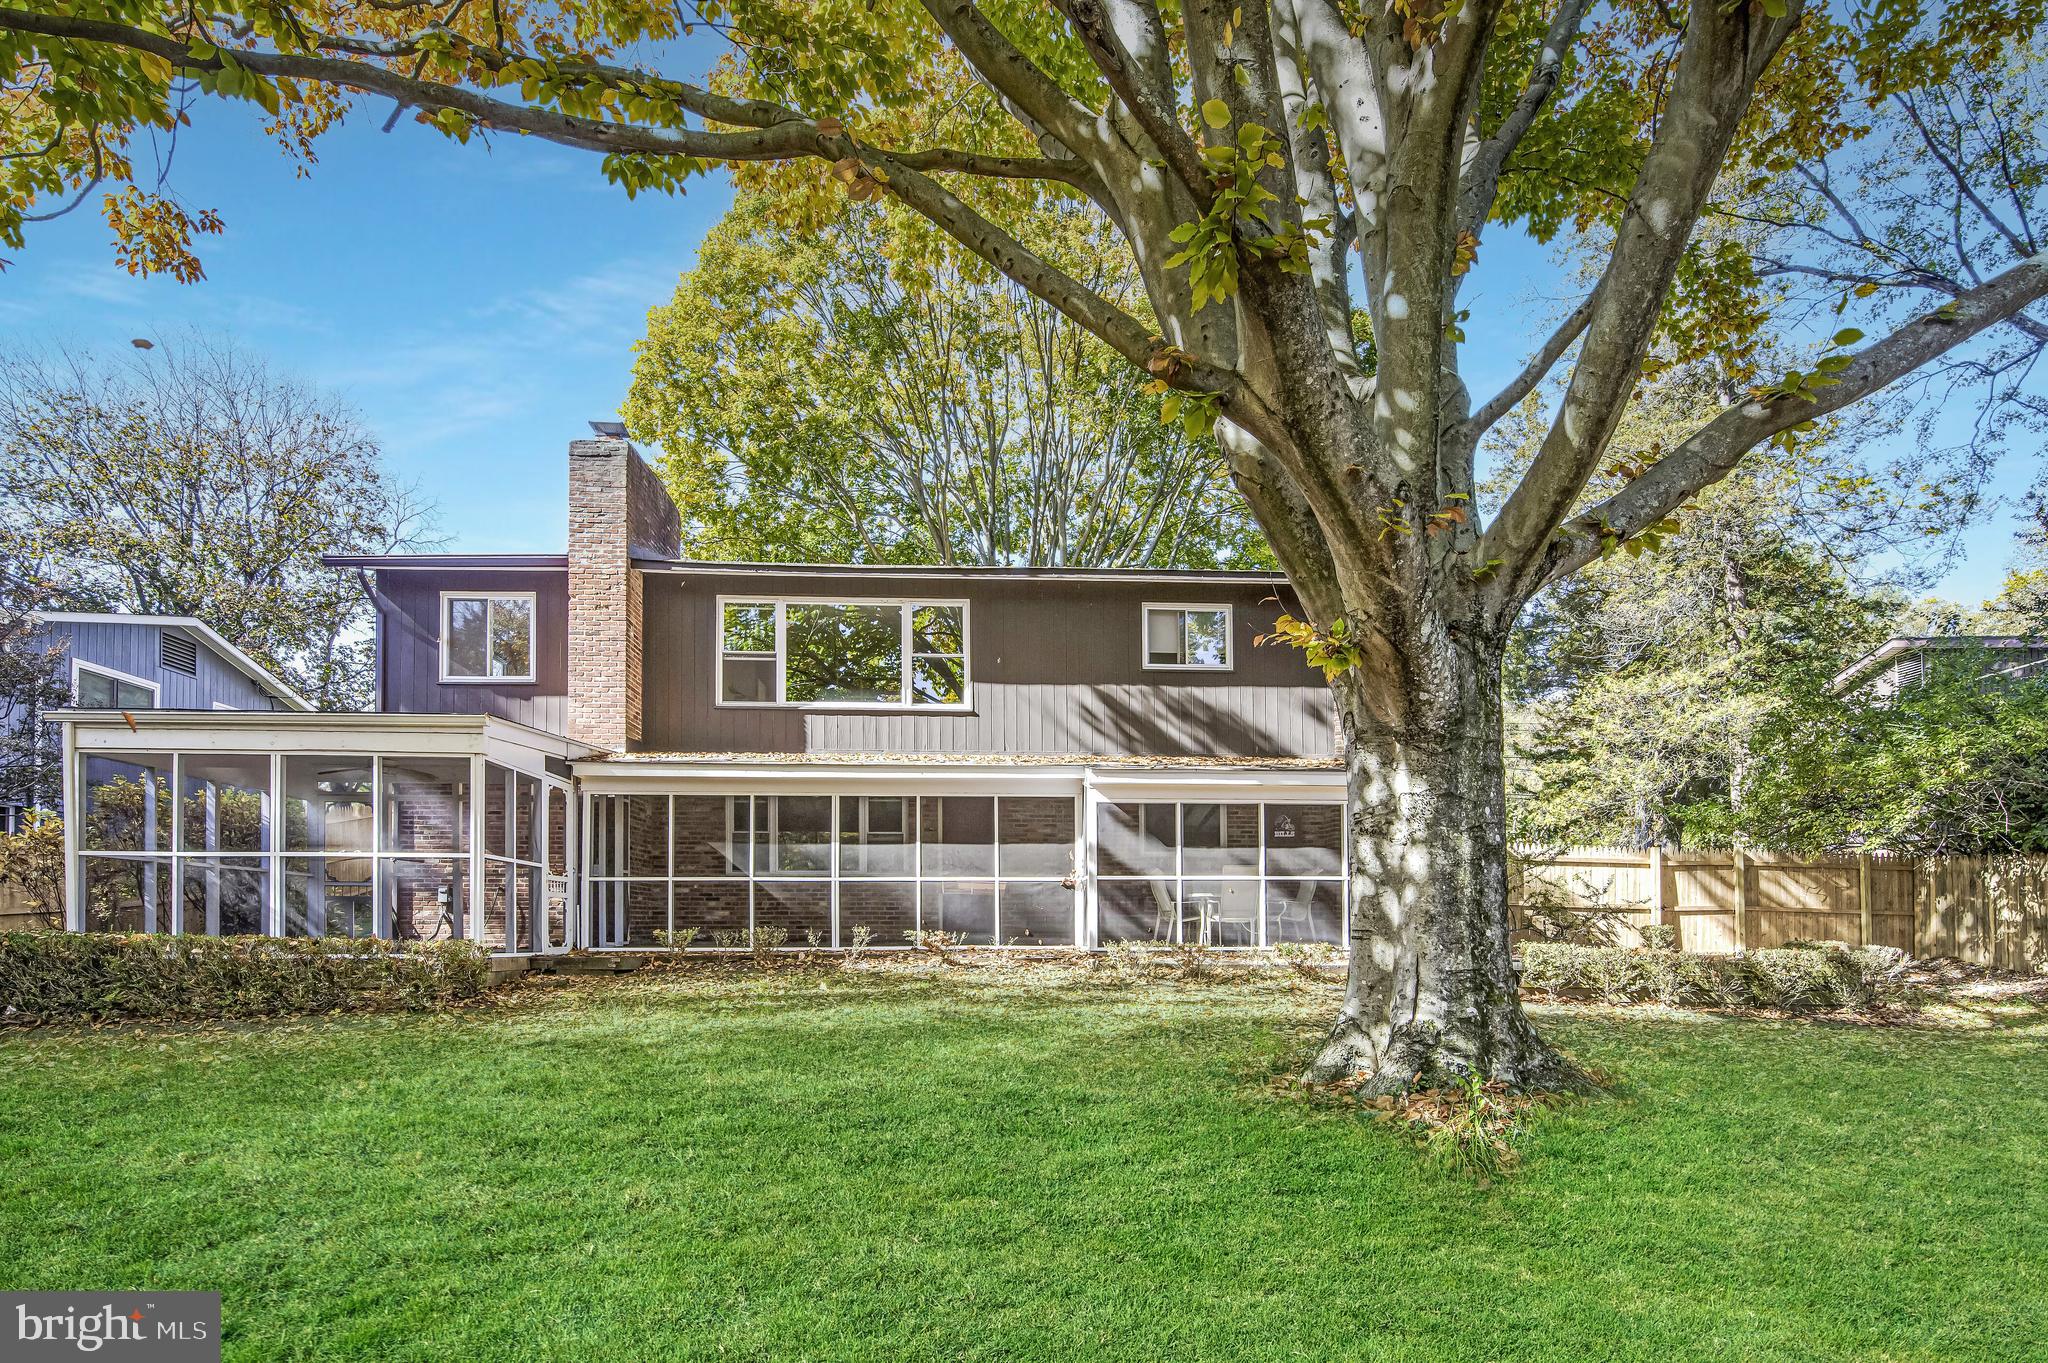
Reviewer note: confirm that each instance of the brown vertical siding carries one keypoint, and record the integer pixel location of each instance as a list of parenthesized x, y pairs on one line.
[(1055, 665), (409, 680)]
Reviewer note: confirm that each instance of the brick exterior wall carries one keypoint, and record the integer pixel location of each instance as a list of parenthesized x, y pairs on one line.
[(617, 508)]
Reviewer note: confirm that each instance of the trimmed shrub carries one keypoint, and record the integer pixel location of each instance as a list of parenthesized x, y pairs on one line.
[(58, 976), (1788, 979)]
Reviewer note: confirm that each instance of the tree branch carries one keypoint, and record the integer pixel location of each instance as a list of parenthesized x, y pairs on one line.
[(1482, 176), (1725, 52), (1466, 433), (1015, 76), (1712, 452), (772, 133), (1151, 106)]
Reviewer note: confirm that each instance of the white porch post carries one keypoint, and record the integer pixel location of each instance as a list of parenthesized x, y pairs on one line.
[(74, 814), (1086, 903), (475, 925)]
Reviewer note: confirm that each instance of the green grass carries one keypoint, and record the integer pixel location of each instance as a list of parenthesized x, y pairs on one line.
[(896, 1167)]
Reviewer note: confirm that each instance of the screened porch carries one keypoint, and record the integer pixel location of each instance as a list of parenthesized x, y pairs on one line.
[(402, 828)]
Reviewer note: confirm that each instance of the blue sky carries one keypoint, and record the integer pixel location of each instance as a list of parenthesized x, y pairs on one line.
[(478, 304)]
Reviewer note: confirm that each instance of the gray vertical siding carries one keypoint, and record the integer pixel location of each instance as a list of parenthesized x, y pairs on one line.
[(133, 647), (409, 667), (1055, 664)]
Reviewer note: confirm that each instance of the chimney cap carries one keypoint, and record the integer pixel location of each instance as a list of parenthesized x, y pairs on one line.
[(609, 430)]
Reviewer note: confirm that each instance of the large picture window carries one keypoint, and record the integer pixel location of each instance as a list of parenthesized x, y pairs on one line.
[(487, 636), (843, 653)]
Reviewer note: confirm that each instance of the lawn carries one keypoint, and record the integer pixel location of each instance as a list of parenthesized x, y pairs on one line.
[(896, 1166)]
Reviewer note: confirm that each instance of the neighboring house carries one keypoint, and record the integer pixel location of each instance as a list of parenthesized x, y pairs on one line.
[(1909, 660), (607, 746), (149, 662)]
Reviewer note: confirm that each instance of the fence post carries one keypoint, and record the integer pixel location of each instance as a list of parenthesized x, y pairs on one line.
[(1863, 894), (1660, 903), (1741, 899)]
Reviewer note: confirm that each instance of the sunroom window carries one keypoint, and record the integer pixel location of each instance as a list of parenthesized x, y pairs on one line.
[(487, 637), (1187, 636), (857, 653)]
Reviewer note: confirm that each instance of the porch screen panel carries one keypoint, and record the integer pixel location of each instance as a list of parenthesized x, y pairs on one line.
[(425, 805), (1136, 910), (712, 907), (1305, 911), (1304, 840), (796, 909), (329, 804), (958, 834), (426, 899), (629, 865), (886, 908), (125, 803), (1137, 840), (225, 896), (225, 803), (128, 894), (1037, 913), (964, 908), (328, 897)]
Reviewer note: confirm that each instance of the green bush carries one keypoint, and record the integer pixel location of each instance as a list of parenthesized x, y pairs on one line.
[(56, 976), (1788, 979)]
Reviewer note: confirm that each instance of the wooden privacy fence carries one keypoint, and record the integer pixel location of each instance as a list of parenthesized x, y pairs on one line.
[(1988, 910)]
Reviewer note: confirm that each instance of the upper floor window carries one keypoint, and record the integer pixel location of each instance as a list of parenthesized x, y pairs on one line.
[(487, 636), (808, 651), (102, 688), (1187, 636)]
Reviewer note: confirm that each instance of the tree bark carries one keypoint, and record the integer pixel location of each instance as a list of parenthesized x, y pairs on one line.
[(1433, 994)]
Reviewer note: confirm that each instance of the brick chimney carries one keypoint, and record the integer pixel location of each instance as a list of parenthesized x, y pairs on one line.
[(618, 511)]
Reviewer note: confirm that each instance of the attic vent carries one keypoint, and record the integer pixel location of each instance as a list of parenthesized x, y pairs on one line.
[(178, 654)]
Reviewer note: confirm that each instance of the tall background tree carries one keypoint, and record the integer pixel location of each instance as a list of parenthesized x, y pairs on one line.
[(188, 479), (1243, 150), (865, 392), (1638, 688)]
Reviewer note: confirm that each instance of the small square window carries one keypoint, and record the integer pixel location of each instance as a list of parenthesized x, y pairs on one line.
[(487, 637), (1187, 636)]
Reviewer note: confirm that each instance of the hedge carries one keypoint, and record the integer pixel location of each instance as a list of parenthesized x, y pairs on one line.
[(1787, 979), (57, 976)]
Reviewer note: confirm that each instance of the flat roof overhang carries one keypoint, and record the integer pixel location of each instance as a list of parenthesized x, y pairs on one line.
[(286, 731), (755, 774)]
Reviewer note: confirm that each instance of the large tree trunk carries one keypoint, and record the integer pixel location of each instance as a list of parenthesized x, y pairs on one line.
[(1432, 994)]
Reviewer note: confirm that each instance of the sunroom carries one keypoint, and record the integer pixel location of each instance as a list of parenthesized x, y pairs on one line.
[(407, 827)]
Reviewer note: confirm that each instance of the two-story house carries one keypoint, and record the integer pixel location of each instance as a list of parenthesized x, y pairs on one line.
[(611, 745)]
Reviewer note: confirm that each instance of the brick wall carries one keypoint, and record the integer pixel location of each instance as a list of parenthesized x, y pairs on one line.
[(617, 508)]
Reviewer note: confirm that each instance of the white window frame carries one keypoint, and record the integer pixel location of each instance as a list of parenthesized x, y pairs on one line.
[(78, 665), (532, 600), (907, 605), (1229, 662)]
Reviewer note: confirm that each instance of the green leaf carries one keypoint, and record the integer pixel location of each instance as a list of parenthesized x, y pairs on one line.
[(1847, 336), (1216, 114)]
